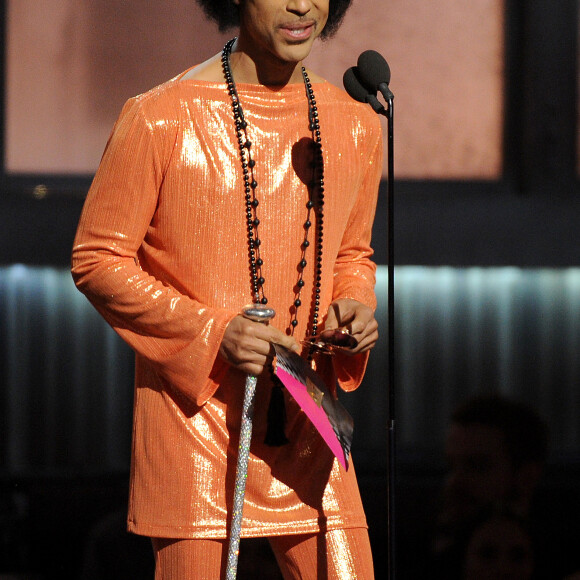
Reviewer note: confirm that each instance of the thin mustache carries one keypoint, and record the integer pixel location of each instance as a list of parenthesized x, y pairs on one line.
[(301, 23)]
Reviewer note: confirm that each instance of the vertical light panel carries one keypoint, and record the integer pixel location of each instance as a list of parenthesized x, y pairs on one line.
[(66, 378), (508, 330)]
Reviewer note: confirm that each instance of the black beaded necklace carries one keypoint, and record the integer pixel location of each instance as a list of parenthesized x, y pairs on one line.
[(314, 205)]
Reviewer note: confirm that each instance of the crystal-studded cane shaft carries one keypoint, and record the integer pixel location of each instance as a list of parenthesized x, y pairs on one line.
[(257, 313)]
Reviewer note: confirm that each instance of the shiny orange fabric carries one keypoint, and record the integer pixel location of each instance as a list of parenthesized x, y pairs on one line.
[(161, 252), (343, 554)]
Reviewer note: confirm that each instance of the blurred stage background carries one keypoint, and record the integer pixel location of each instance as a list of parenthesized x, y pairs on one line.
[(487, 207)]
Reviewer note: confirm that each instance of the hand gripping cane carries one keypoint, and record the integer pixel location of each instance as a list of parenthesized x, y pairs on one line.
[(257, 313)]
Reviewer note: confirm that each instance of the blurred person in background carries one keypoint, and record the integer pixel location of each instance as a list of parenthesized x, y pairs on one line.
[(500, 548), (496, 450)]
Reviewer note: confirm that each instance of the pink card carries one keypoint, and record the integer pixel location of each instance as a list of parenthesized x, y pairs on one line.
[(329, 417)]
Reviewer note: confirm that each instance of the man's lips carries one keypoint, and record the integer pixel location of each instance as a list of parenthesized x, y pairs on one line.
[(298, 30)]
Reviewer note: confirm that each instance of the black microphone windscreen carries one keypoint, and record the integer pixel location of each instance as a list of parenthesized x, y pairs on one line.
[(373, 70), (353, 86)]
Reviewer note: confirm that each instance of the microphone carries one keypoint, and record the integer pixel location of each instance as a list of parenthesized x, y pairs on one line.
[(353, 85), (374, 73), (358, 92)]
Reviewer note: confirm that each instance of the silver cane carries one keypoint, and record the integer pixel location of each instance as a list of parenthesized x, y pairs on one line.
[(257, 313)]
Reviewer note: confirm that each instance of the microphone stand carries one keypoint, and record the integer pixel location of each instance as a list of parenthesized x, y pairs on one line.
[(391, 339), (391, 440), (361, 84)]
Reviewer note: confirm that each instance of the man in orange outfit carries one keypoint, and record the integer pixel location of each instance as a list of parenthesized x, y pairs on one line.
[(245, 179)]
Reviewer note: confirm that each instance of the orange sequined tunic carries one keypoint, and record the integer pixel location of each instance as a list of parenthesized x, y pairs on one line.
[(161, 252)]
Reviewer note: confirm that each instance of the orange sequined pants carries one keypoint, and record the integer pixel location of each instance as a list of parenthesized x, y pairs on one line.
[(336, 555)]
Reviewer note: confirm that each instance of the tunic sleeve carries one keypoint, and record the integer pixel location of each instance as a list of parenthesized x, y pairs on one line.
[(354, 271), (179, 336)]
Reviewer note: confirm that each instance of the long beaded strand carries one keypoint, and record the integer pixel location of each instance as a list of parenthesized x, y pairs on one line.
[(315, 202)]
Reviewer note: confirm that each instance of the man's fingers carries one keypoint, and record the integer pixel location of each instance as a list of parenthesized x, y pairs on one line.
[(358, 319), (363, 328), (278, 337), (246, 346), (332, 317), (290, 344), (252, 369), (366, 342)]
